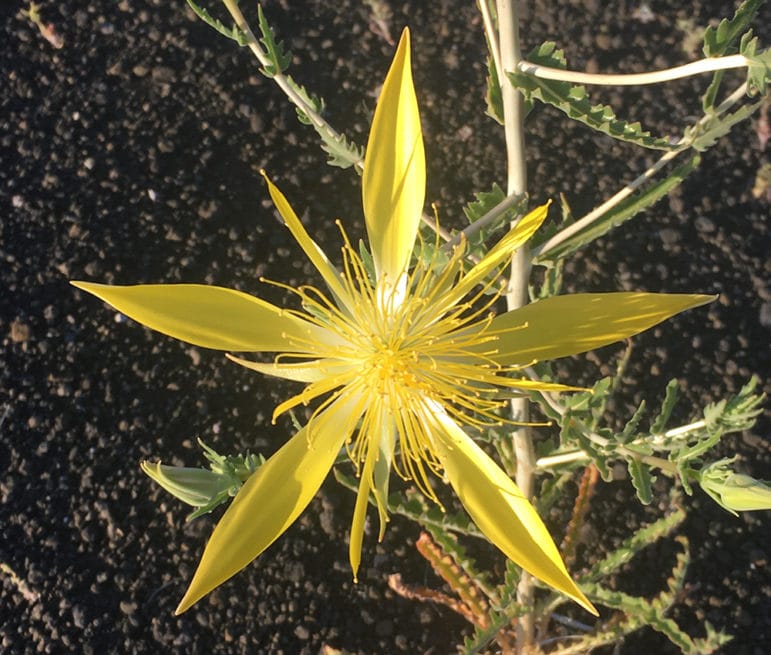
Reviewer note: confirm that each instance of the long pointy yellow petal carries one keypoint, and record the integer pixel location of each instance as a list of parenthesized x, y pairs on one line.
[(270, 500), (500, 510), (394, 180), (305, 372), (360, 510), (314, 253), (209, 316), (499, 253), (572, 324)]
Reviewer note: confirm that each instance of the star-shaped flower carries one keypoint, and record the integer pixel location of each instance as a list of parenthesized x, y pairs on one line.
[(396, 360)]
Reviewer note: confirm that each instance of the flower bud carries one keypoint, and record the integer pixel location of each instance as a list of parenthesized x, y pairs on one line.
[(198, 487), (736, 492)]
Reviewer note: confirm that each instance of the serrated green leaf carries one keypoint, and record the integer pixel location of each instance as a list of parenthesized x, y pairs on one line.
[(279, 59), (232, 33), (493, 97), (598, 455), (705, 135), (718, 41), (311, 100), (617, 215), (641, 479), (759, 70), (653, 613), (342, 152), (671, 395), (633, 545), (630, 429), (714, 640), (483, 203), (574, 102)]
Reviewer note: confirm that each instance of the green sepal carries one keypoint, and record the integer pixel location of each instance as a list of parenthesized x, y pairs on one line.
[(201, 488)]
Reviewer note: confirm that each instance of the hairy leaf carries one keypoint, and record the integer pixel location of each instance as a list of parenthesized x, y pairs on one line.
[(718, 41), (641, 479), (279, 58), (232, 33), (617, 215), (573, 100), (633, 545)]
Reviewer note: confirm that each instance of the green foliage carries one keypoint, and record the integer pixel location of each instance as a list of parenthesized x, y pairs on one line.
[(678, 452), (638, 611), (615, 216), (481, 213), (232, 33), (759, 70), (705, 134), (573, 100), (720, 41), (278, 58), (342, 152), (671, 394), (631, 546), (494, 98), (724, 417)]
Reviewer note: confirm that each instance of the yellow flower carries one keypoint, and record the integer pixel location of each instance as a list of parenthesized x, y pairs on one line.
[(398, 362)]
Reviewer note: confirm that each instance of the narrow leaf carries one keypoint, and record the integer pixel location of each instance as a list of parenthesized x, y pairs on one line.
[(617, 215), (573, 101)]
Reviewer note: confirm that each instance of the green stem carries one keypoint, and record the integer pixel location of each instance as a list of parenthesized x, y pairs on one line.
[(517, 296)]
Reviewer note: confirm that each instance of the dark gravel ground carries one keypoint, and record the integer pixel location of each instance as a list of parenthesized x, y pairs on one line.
[(131, 155)]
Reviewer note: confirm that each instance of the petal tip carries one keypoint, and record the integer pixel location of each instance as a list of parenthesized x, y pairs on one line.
[(185, 604)]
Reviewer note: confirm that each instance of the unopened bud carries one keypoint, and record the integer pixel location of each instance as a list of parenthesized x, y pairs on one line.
[(735, 492)]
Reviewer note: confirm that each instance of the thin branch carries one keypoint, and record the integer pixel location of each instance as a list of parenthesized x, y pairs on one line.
[(575, 455), (313, 116), (490, 217), (707, 65), (629, 189)]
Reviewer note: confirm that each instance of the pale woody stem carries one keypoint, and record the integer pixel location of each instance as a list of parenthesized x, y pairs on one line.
[(513, 114), (708, 65)]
